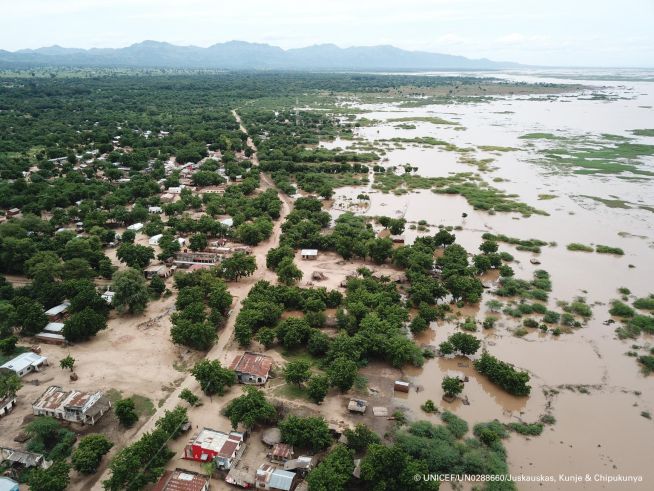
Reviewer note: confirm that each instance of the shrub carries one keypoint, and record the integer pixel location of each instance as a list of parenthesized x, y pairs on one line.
[(86, 457), (619, 309), (506, 376)]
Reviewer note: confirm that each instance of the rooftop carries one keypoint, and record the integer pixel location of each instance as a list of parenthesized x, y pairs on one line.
[(282, 451), (56, 397), (24, 360), (55, 327), (181, 480), (252, 363), (58, 309), (224, 444), (309, 252)]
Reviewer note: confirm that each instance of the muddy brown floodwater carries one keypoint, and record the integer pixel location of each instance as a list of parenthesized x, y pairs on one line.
[(584, 379)]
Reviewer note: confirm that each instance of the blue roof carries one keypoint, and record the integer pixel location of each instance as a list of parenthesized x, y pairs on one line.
[(7, 484), (280, 479)]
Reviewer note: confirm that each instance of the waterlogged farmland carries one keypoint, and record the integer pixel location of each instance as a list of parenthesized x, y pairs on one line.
[(487, 242), (574, 171)]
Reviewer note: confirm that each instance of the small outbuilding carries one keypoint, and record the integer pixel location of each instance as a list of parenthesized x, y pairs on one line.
[(135, 226), (252, 368), (25, 363), (357, 406), (401, 386), (281, 452), (7, 404), (268, 477), (154, 240), (160, 270), (309, 254), (57, 312), (271, 436)]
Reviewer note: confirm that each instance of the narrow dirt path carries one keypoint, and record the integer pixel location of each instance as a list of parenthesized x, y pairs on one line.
[(226, 348)]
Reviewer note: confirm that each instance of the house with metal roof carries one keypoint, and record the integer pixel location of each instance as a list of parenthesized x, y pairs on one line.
[(309, 253), (53, 333), (25, 363), (7, 484), (135, 226), (74, 406), (269, 477), (251, 368), (22, 458), (302, 465), (7, 404), (218, 446), (57, 312), (182, 480), (281, 452)]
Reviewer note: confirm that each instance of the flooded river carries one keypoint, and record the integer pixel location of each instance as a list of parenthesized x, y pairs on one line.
[(584, 379)]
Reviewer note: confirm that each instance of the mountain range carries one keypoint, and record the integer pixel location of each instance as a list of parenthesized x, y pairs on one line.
[(240, 55)]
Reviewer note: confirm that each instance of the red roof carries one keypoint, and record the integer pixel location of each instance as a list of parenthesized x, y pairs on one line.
[(181, 480), (252, 363)]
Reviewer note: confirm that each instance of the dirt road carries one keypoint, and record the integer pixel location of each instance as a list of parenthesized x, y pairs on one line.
[(208, 414)]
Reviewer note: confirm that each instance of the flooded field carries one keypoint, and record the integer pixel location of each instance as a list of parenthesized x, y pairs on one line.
[(562, 154)]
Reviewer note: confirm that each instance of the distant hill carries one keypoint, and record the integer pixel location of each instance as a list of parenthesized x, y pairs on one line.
[(238, 55)]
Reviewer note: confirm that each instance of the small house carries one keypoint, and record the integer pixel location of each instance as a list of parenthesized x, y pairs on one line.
[(252, 368), (52, 333), (155, 209), (188, 258), (218, 446), (397, 239), (108, 296), (227, 222), (302, 465), (357, 406), (135, 226), (57, 312), (22, 458), (281, 452), (182, 480), (309, 253), (401, 386), (51, 338), (7, 404), (160, 270), (73, 405), (12, 212), (25, 363), (269, 477), (154, 240)]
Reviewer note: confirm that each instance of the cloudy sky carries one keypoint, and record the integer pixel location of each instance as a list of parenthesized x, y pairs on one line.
[(552, 32)]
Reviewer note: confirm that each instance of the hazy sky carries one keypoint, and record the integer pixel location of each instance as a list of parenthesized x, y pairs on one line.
[(552, 32)]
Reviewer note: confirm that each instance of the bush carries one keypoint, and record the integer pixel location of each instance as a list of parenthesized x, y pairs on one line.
[(456, 425), (310, 433), (506, 376), (645, 303), (86, 457), (126, 412), (619, 309), (531, 429)]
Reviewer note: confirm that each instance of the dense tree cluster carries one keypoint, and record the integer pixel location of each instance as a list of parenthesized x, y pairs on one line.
[(144, 461), (514, 381), (201, 308)]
